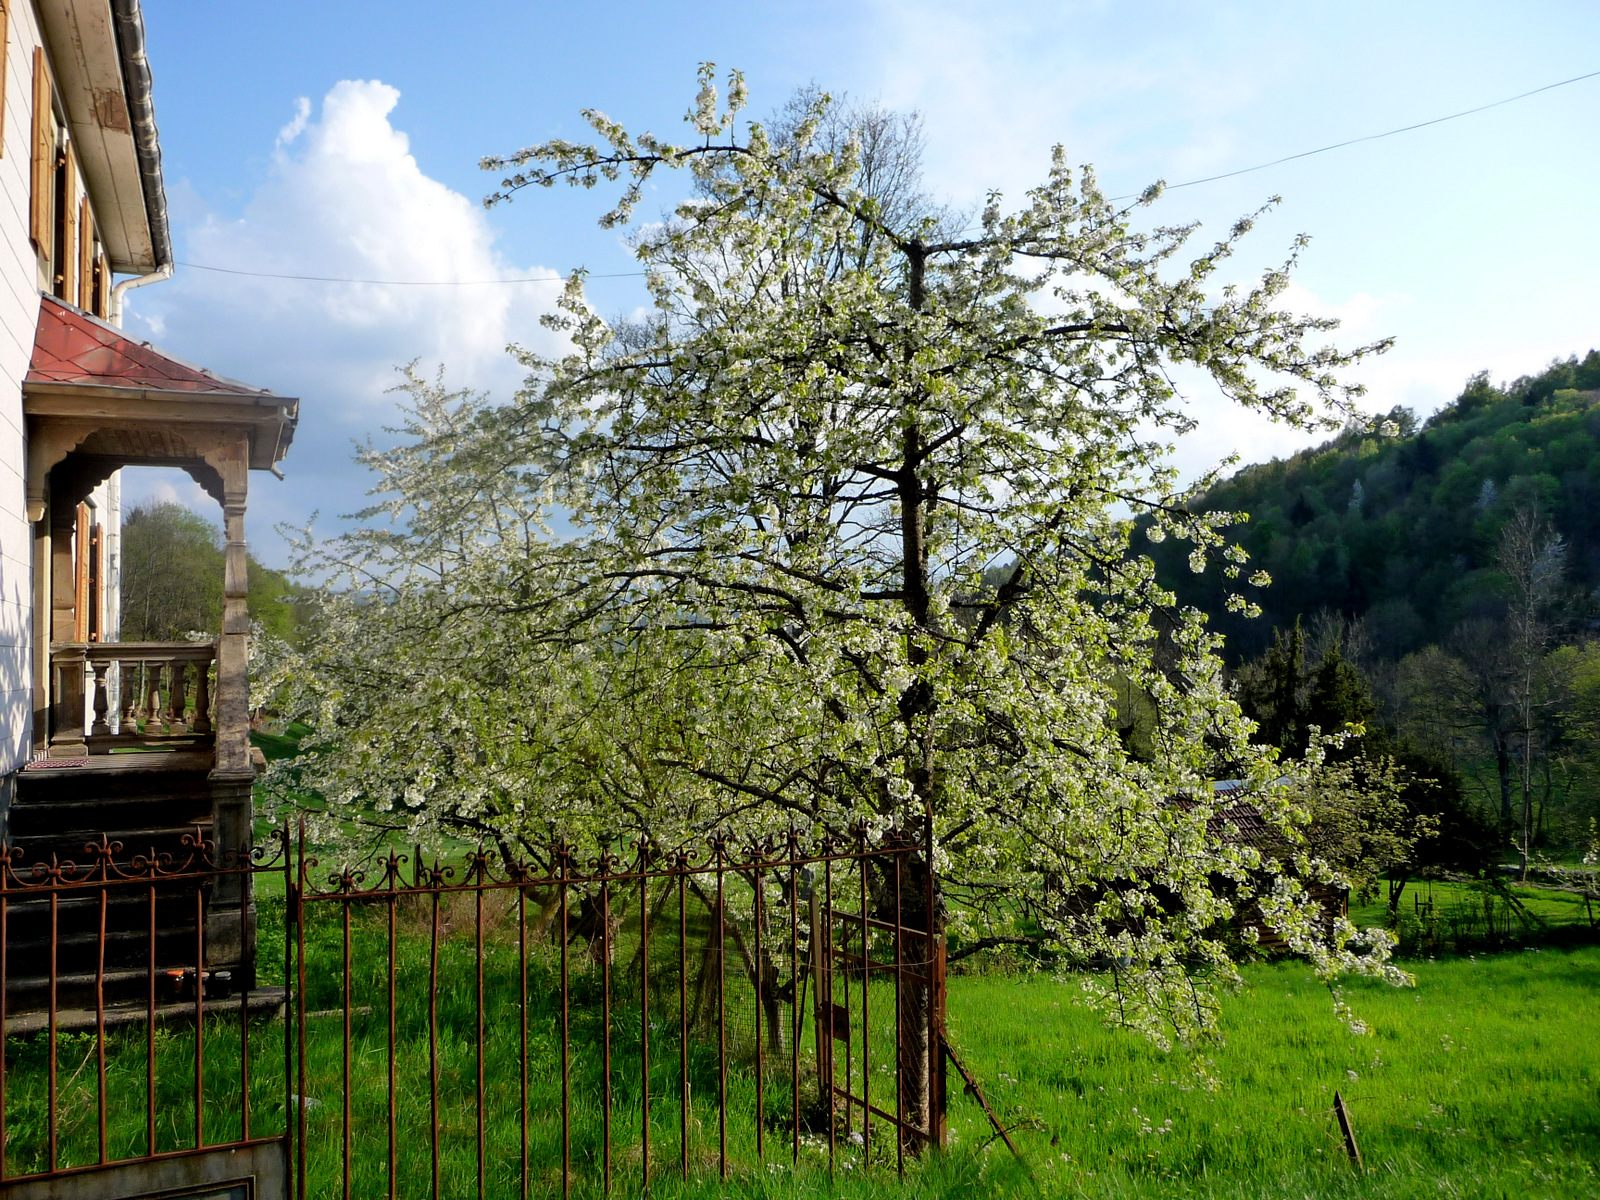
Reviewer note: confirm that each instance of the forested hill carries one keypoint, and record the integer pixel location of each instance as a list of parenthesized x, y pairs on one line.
[(1403, 530)]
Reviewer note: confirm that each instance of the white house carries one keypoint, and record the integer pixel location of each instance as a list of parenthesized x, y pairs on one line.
[(133, 742)]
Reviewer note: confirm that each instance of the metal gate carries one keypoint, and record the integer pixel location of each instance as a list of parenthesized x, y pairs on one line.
[(478, 1023)]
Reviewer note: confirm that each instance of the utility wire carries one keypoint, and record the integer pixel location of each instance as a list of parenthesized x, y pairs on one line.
[(1371, 137), (397, 282)]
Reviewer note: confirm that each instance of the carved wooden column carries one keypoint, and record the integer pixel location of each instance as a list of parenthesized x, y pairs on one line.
[(231, 461), (48, 445), (230, 922)]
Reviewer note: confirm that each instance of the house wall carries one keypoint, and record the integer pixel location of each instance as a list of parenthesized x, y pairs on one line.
[(19, 315), (24, 273)]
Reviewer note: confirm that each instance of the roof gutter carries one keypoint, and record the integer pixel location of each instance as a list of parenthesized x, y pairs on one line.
[(129, 24)]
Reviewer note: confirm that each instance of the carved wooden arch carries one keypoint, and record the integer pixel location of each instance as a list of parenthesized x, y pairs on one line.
[(49, 443), (212, 456), (77, 475)]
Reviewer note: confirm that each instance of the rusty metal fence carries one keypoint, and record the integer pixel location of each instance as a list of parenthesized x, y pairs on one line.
[(470, 1024)]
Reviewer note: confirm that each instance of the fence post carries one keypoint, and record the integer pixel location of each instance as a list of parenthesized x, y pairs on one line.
[(299, 988), (938, 1090), (936, 985), (718, 846), (564, 858), (1345, 1128), (644, 1012), (681, 869)]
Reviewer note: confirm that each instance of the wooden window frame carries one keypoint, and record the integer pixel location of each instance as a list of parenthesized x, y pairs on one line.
[(41, 214), (64, 259), (97, 582), (80, 574), (102, 284)]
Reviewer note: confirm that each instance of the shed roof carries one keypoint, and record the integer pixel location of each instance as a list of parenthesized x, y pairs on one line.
[(74, 347)]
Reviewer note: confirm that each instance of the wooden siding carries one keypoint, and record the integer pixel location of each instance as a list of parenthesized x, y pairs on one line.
[(20, 281)]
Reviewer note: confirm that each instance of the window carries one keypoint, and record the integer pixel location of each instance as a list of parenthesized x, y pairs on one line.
[(64, 248), (83, 294)]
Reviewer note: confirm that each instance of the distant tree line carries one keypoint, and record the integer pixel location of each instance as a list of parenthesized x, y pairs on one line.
[(1402, 527), (172, 568), (1437, 584)]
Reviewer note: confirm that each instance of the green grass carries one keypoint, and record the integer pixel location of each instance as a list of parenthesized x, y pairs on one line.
[(1482, 1081), (1447, 916), (1484, 1078)]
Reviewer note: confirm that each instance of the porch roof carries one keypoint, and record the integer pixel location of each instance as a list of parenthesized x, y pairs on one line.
[(86, 369), (72, 346)]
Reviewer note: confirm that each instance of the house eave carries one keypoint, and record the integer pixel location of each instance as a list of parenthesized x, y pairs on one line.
[(96, 53), (271, 417)]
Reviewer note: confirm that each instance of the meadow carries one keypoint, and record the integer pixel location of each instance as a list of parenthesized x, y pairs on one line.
[(1483, 1080)]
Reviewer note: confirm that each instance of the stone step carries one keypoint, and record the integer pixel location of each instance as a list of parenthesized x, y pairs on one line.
[(87, 817), (259, 1002), (111, 776)]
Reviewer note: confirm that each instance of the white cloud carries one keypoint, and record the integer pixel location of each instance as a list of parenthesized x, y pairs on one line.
[(1358, 316), (344, 198), (158, 492), (302, 117), (156, 485)]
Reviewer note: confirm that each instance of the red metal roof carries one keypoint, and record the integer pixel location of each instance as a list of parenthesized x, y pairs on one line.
[(72, 346)]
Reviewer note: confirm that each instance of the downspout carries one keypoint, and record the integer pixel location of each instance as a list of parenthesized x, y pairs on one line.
[(114, 309), (129, 25)]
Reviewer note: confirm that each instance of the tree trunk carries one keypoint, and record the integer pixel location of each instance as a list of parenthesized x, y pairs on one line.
[(1502, 764), (1544, 803), (921, 1009), (1527, 798), (1397, 888), (921, 1012)]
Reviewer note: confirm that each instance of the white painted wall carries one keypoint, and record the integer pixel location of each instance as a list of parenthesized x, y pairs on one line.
[(19, 315)]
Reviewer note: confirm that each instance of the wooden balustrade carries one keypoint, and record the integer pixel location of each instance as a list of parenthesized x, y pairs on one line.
[(153, 680)]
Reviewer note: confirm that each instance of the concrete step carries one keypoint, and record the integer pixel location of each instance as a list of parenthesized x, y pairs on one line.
[(87, 817), (265, 1001)]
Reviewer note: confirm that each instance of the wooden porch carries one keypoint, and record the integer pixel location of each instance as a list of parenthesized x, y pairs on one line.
[(140, 746)]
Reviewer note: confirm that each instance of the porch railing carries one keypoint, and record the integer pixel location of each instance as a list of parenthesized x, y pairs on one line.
[(141, 695)]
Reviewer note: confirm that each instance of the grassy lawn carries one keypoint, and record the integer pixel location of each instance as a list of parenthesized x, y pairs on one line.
[(1452, 917), (1482, 1081)]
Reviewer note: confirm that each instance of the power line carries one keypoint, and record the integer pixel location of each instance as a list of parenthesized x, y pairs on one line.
[(1371, 137), (397, 282)]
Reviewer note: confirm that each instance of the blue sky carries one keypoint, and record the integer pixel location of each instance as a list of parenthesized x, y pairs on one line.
[(342, 139)]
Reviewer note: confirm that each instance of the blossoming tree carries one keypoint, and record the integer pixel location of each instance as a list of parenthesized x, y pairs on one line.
[(839, 540)]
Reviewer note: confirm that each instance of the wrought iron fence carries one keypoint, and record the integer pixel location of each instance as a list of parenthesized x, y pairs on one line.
[(472, 1024), (106, 955)]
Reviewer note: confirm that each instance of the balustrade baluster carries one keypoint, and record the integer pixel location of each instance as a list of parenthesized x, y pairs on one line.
[(100, 726), (179, 698), (202, 697), (129, 726), (152, 721)]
